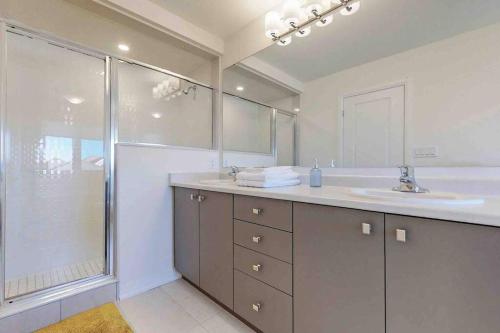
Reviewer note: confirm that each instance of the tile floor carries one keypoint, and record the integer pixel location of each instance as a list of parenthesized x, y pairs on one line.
[(178, 307)]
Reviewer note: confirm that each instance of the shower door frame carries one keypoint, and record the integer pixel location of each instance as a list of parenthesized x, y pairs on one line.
[(110, 139)]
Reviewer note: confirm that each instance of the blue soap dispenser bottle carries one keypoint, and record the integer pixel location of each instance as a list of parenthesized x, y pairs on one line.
[(315, 175)]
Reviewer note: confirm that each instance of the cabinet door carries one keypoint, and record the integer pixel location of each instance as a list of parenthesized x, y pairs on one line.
[(444, 278), (187, 234), (338, 270), (216, 246)]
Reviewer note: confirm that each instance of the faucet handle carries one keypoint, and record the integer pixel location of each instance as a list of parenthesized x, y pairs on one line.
[(407, 171)]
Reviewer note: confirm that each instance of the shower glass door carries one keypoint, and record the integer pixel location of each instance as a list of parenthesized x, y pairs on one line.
[(54, 135)]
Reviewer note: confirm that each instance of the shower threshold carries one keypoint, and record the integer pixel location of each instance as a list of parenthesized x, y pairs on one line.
[(57, 276)]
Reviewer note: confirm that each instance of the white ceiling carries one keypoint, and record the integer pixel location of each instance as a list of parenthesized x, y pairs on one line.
[(220, 17), (381, 28)]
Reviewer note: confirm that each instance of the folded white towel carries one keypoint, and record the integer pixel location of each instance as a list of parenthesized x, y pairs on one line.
[(287, 175), (264, 184), (270, 170)]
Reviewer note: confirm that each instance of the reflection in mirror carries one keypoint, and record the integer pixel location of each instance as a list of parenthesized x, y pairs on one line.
[(406, 85), (157, 108), (258, 119)]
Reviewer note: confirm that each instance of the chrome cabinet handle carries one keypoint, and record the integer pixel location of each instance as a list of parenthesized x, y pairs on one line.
[(257, 267), (256, 307), (256, 239), (257, 211), (201, 198), (193, 196), (401, 235), (366, 228)]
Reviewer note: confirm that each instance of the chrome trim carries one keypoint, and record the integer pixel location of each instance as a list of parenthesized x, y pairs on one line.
[(19, 29), (57, 293), (110, 138), (159, 145), (255, 102), (274, 148), (3, 98), (162, 70)]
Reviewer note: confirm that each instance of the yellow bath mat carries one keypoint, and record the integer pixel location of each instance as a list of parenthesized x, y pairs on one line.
[(103, 319)]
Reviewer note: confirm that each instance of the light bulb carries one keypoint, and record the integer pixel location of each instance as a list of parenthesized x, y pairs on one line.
[(285, 41), (324, 21), (314, 8), (273, 24), (303, 32), (292, 13), (351, 8)]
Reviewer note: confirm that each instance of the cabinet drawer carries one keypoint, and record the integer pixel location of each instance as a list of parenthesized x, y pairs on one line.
[(268, 212), (272, 271), (275, 243), (266, 308)]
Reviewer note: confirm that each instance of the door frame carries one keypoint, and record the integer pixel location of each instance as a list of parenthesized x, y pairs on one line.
[(340, 117)]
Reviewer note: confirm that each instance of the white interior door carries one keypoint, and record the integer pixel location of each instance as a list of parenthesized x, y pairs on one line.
[(373, 129)]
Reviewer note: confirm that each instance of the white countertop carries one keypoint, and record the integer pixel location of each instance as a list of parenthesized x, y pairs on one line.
[(487, 213)]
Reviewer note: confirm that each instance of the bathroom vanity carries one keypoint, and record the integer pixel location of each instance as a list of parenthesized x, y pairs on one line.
[(315, 260)]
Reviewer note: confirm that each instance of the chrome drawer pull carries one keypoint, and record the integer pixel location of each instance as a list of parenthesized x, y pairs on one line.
[(256, 307), (257, 211), (366, 228), (256, 267), (193, 196), (401, 235), (201, 198), (256, 239)]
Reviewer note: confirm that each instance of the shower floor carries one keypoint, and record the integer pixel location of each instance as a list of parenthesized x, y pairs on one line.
[(57, 276)]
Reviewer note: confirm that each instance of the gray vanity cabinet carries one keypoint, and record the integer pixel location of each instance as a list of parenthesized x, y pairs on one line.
[(187, 233), (338, 270), (203, 240), (442, 277), (216, 245)]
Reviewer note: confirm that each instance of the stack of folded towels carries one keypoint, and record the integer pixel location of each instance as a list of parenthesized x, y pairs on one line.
[(268, 177)]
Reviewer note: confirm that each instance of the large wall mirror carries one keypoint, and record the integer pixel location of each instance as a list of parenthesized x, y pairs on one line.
[(421, 88)]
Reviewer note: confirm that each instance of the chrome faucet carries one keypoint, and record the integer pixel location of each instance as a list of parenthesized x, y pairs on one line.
[(407, 182), (234, 171)]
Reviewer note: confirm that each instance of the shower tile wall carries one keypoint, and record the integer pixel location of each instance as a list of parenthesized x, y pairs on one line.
[(54, 161)]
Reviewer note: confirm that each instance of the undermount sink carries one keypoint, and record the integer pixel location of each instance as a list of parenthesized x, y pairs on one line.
[(225, 181), (438, 198)]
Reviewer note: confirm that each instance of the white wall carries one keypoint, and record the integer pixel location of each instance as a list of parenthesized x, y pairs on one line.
[(453, 101), (145, 212)]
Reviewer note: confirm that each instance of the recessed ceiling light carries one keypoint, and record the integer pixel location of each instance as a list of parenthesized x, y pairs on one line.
[(240, 88), (296, 109), (74, 99), (123, 47), (156, 115)]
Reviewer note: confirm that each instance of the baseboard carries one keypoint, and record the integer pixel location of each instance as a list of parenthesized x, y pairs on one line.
[(140, 286)]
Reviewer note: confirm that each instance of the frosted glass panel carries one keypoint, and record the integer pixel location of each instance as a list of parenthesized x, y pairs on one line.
[(247, 126), (285, 139), (55, 223), (158, 108)]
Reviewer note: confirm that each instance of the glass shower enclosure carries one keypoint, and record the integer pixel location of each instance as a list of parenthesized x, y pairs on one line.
[(56, 164)]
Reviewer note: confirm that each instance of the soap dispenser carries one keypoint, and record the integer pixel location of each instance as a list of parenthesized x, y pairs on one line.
[(315, 175)]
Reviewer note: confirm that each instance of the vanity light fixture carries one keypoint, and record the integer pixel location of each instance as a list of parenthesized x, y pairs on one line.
[(297, 18), (123, 47), (240, 88)]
